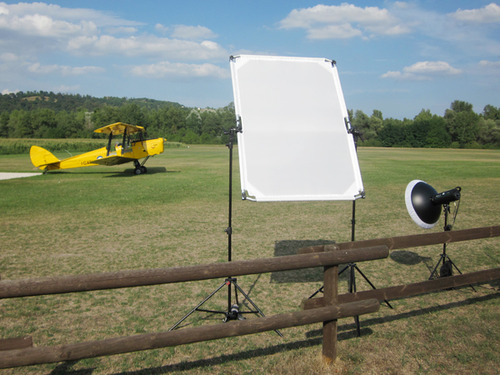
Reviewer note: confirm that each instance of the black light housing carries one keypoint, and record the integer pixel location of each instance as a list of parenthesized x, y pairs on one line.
[(424, 203), (447, 196)]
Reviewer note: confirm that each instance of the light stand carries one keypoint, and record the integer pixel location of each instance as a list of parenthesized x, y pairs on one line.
[(352, 266), (424, 203), (233, 311), (447, 264)]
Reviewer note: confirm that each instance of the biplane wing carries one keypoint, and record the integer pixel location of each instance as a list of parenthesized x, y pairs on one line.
[(119, 128)]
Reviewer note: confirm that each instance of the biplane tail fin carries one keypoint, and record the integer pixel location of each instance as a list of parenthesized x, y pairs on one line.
[(43, 159)]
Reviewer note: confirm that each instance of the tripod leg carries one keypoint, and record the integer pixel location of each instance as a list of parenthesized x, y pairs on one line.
[(454, 265), (352, 289), (236, 291), (346, 267), (320, 290), (197, 307), (434, 271), (460, 272), (247, 298), (369, 282)]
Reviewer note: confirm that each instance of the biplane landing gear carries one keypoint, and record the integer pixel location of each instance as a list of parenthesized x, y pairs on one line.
[(140, 169)]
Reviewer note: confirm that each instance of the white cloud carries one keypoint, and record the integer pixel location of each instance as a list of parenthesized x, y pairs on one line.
[(488, 14), (49, 20), (437, 33), (8, 57), (122, 30), (341, 31), (490, 69), (64, 70), (67, 89), (169, 69), (192, 32), (43, 26), (70, 15), (489, 64), (38, 28), (343, 21), (161, 28), (146, 45), (423, 70), (7, 91)]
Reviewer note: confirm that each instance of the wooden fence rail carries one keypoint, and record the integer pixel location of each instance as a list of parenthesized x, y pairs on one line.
[(411, 290), (18, 351), (126, 344), (415, 240), (133, 278)]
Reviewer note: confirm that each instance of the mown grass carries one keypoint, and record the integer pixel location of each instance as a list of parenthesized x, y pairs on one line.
[(102, 219)]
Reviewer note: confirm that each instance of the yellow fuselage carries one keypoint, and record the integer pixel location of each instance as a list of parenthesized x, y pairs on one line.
[(137, 150)]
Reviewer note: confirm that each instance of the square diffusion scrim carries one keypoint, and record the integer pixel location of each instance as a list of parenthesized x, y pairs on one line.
[(295, 143)]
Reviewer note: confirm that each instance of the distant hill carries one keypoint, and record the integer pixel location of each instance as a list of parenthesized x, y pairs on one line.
[(70, 102), (43, 114)]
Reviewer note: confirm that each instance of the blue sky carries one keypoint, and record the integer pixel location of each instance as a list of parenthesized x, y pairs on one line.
[(395, 56)]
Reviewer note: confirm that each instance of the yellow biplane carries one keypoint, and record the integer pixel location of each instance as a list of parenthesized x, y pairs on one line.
[(132, 147)]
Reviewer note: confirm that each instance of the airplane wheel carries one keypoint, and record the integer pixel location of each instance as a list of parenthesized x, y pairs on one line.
[(144, 169), (138, 171)]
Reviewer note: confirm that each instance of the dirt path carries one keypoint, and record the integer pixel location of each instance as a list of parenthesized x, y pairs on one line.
[(8, 175)]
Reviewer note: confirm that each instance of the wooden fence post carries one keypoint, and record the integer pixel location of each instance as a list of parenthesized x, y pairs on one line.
[(330, 290)]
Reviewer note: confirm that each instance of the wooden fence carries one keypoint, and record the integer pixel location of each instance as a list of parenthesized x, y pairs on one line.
[(16, 352)]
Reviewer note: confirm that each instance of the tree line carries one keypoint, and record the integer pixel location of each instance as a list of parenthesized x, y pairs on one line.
[(460, 127), (49, 115)]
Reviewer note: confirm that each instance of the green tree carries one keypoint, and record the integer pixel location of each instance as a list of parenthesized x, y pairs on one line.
[(361, 122), (43, 123), (72, 124), (20, 124), (176, 121), (193, 121), (489, 127), (191, 137), (396, 133), (462, 123), (437, 135), (491, 113), (461, 106), (376, 123), (489, 132), (429, 130), (211, 126), (131, 113), (105, 115), (4, 124)]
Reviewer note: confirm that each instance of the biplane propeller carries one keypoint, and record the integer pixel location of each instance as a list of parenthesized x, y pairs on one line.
[(132, 148)]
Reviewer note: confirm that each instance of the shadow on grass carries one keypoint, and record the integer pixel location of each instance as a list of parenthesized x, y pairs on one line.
[(107, 173), (131, 172), (313, 338), (409, 314), (249, 354), (65, 368), (409, 258), (291, 247)]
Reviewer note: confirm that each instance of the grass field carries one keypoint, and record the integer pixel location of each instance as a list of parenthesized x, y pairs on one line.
[(102, 219)]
